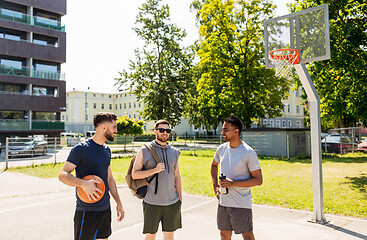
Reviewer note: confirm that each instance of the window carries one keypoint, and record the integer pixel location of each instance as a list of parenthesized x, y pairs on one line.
[(202, 128), (102, 106), (289, 108), (195, 129), (277, 123), (110, 106), (129, 115), (86, 117), (109, 96), (129, 105), (124, 105), (134, 105), (67, 118), (44, 40), (63, 118), (102, 95), (289, 123), (134, 115), (297, 93), (44, 91), (125, 94), (94, 95), (283, 123), (139, 117), (120, 106), (94, 105), (298, 124), (297, 110), (115, 106), (265, 122), (271, 123), (86, 105), (139, 105)]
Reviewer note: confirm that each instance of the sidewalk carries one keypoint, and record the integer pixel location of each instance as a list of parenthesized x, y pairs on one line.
[(24, 197)]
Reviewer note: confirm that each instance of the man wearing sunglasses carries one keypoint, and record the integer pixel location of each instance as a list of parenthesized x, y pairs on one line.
[(161, 204)]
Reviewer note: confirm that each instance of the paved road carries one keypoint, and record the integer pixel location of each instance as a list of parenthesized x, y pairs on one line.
[(34, 208)]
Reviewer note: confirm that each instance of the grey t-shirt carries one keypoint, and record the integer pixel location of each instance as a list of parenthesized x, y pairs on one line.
[(236, 164), (166, 194)]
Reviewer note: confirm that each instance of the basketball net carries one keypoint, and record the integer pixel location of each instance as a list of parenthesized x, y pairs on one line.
[(284, 59)]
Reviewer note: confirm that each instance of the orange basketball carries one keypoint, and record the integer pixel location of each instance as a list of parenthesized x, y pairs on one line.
[(83, 196)]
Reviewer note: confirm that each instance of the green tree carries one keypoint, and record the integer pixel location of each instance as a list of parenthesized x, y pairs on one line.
[(342, 81), (234, 81), (160, 74), (129, 126)]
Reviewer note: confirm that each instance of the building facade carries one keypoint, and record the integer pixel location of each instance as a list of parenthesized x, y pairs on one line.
[(32, 49), (82, 106)]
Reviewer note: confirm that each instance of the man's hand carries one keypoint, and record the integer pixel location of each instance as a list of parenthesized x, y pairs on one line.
[(217, 191), (91, 190), (226, 183), (120, 212), (159, 168)]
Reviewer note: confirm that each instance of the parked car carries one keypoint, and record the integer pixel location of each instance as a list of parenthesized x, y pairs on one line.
[(27, 147), (362, 147), (337, 142)]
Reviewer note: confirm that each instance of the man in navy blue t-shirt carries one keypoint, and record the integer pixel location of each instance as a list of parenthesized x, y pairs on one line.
[(93, 157)]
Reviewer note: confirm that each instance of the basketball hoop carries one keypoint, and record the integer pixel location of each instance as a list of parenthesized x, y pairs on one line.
[(284, 59)]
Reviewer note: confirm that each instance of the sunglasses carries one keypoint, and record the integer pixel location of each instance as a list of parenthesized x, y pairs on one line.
[(161, 130)]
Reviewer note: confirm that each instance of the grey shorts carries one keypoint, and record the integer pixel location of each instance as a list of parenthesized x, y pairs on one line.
[(238, 220)]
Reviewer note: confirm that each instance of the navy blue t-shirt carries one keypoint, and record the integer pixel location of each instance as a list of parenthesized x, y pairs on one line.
[(91, 158)]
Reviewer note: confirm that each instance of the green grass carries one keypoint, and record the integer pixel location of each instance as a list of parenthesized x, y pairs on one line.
[(287, 183)]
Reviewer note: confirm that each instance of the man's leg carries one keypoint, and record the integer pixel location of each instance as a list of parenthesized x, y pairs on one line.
[(225, 235), (168, 235), (150, 236), (248, 235)]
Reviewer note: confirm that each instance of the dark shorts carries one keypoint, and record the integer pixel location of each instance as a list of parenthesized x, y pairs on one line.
[(238, 220), (170, 216), (92, 225)]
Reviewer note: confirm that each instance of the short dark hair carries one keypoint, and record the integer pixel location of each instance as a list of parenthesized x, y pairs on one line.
[(104, 117), (162, 121), (235, 122)]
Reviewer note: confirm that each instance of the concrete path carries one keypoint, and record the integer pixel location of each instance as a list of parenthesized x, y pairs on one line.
[(34, 208)]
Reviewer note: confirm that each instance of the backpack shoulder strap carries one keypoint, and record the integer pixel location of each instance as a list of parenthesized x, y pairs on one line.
[(153, 152)]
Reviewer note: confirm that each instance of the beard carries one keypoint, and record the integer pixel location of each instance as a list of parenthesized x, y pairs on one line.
[(109, 136), (162, 139)]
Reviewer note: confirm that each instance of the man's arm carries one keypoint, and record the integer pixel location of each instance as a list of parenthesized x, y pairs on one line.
[(115, 194), (67, 178), (178, 185), (138, 173), (256, 179), (214, 173)]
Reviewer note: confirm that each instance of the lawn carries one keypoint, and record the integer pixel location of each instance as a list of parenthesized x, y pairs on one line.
[(287, 183)]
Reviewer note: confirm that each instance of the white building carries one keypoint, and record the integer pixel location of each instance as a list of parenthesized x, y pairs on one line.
[(82, 106)]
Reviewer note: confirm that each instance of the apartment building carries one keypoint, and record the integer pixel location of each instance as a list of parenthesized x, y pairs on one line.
[(293, 113), (32, 50), (82, 106)]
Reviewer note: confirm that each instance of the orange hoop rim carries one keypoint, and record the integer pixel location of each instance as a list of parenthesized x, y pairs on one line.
[(292, 58)]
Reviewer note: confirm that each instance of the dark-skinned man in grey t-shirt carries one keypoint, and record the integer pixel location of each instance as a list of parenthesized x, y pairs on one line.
[(241, 171)]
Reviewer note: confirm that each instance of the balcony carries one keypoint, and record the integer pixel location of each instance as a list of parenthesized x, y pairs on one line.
[(48, 23), (25, 71), (18, 17), (14, 16), (36, 125)]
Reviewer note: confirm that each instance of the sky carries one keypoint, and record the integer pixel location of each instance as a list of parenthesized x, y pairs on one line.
[(100, 40)]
